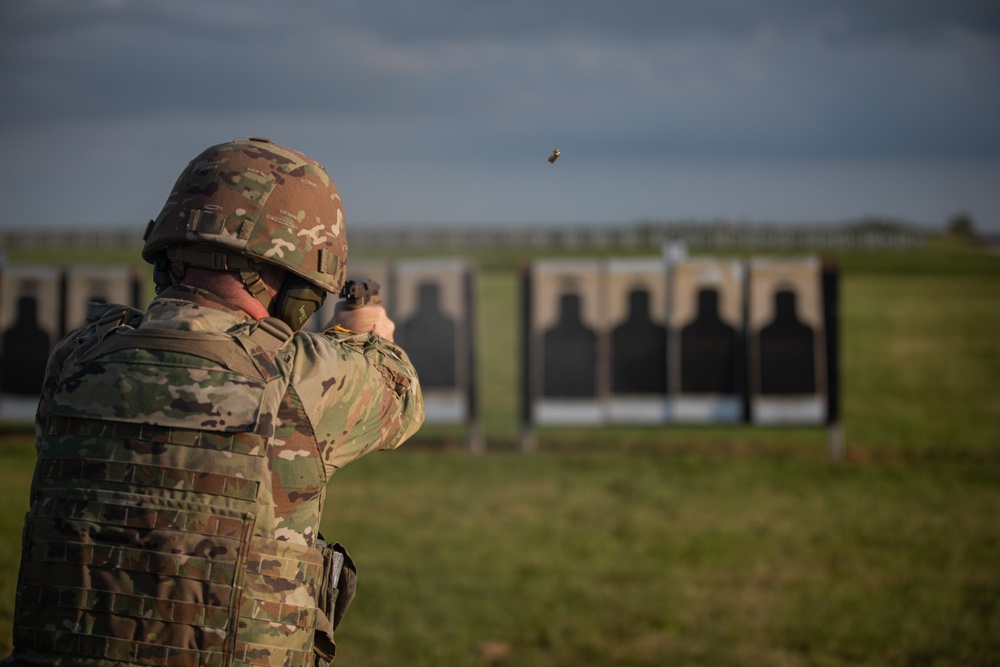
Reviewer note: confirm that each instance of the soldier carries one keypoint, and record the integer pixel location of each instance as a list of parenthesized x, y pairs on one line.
[(183, 453)]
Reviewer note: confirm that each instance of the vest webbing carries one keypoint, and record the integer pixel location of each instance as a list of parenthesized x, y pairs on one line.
[(252, 356), (153, 544)]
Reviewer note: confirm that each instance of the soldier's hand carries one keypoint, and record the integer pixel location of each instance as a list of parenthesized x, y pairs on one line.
[(367, 318)]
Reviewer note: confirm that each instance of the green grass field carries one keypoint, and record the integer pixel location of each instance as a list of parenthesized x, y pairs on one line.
[(689, 546)]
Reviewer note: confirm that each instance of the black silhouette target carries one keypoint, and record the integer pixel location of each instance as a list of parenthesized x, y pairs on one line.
[(707, 329), (787, 342), (432, 309), (25, 350), (569, 350), (30, 313), (566, 367), (639, 350), (635, 301), (787, 350), (709, 349), (430, 337)]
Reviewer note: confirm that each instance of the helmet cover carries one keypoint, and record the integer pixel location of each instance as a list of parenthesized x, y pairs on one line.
[(259, 200)]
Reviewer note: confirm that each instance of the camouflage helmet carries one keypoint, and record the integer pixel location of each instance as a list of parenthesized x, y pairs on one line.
[(258, 200)]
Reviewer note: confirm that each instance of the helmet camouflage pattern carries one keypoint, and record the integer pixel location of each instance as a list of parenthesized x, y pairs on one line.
[(259, 200)]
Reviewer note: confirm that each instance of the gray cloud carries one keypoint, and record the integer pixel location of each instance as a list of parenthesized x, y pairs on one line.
[(399, 85), (720, 77)]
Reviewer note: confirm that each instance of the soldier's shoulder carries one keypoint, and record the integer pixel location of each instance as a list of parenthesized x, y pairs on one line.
[(98, 311)]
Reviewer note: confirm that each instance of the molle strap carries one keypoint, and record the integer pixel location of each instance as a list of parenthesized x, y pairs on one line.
[(327, 262), (61, 429), (263, 655), (111, 651), (256, 287), (163, 477), (124, 604)]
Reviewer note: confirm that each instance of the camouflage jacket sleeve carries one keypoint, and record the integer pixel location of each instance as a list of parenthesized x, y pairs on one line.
[(360, 392)]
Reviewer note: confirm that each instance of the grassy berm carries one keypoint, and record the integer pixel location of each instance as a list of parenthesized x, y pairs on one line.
[(688, 546)]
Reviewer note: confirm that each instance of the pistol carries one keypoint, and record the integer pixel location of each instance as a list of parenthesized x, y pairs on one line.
[(358, 293)]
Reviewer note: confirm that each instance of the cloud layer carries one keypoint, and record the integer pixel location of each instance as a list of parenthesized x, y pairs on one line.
[(445, 110)]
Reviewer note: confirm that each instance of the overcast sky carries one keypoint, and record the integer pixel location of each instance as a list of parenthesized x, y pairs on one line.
[(445, 111)]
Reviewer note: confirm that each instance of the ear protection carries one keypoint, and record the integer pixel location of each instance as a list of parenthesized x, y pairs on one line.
[(297, 300)]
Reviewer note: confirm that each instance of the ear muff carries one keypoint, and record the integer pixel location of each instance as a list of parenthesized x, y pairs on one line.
[(297, 301)]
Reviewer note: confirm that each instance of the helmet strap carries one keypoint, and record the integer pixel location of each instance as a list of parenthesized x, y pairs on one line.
[(177, 271), (256, 287)]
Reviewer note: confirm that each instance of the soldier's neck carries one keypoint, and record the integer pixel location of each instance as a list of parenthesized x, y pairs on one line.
[(228, 286)]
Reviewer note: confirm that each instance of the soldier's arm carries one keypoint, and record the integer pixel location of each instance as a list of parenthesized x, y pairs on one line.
[(360, 391)]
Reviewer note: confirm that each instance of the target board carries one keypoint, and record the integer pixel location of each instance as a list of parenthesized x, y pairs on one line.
[(700, 340)]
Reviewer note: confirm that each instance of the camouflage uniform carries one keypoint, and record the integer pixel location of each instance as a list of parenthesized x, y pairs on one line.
[(183, 456)]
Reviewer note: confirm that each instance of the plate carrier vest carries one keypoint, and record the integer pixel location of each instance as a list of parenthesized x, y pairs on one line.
[(140, 548)]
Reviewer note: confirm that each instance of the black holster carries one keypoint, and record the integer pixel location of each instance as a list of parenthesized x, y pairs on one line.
[(340, 581)]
